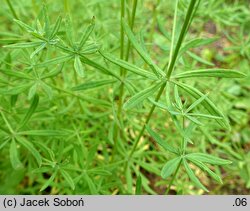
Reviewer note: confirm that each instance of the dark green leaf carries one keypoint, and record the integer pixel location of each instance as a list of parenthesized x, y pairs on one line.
[(203, 167), (78, 66), (206, 103), (192, 176), (130, 67), (205, 158), (87, 33), (24, 26), (14, 157), (158, 72), (138, 188), (140, 96), (29, 146), (49, 181), (170, 167), (44, 133), (31, 110), (68, 178), (92, 85), (56, 27), (224, 73), (162, 143), (24, 45)]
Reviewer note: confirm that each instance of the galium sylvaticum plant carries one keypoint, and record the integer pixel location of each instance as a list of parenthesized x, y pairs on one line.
[(44, 69)]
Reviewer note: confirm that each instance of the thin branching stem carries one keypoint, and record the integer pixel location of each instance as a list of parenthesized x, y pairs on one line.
[(173, 178), (123, 72), (169, 71)]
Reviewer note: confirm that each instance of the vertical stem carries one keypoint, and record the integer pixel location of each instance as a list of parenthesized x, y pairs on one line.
[(119, 104), (181, 37), (169, 71), (144, 125), (173, 178), (123, 71), (183, 153)]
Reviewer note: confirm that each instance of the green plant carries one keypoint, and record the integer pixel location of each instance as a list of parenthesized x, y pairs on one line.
[(48, 113)]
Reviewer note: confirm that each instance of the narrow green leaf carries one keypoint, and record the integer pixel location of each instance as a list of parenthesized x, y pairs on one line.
[(56, 27), (40, 170), (49, 181), (53, 73), (32, 91), (177, 97), (87, 33), (199, 59), (47, 89), (162, 143), (24, 45), (130, 67), (197, 42), (170, 167), (158, 72), (46, 20), (224, 73), (4, 142), (24, 26), (44, 133), (54, 61), (139, 97), (205, 116), (129, 180), (100, 172), (192, 176), (91, 184), (17, 74), (98, 66), (205, 158), (194, 120), (78, 66), (31, 111), (29, 146), (203, 167), (206, 103), (7, 123), (68, 178), (40, 48), (8, 41), (92, 85), (197, 102), (138, 188), (90, 49), (14, 158), (149, 167), (15, 90)]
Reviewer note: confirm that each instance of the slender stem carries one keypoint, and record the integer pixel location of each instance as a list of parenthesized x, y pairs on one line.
[(119, 104), (122, 70), (170, 69), (12, 9), (146, 122), (183, 148), (173, 178), (181, 37)]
